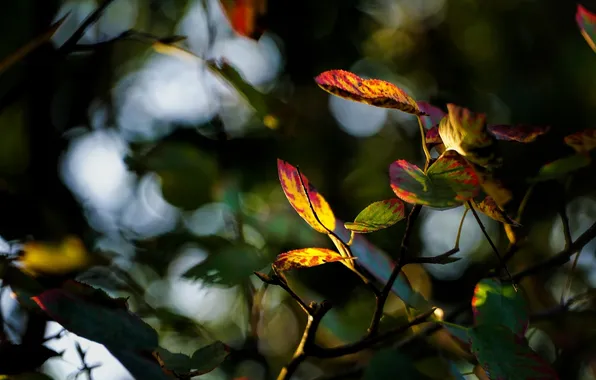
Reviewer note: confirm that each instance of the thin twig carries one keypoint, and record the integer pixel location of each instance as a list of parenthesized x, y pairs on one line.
[(441, 259), (424, 146), (71, 43), (566, 228)]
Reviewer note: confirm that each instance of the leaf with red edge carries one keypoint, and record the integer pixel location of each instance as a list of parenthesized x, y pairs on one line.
[(449, 182), (433, 116), (490, 208), (306, 258), (520, 133), (582, 141), (293, 187), (246, 16), (113, 327), (498, 304), (465, 132), (505, 356), (376, 92), (587, 24), (377, 216)]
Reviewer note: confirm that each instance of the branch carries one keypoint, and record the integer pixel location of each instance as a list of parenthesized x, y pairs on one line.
[(70, 44)]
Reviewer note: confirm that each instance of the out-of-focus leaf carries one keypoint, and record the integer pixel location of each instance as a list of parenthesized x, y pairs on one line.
[(562, 167), (68, 256), (139, 365), (503, 355), (187, 174), (293, 188), (466, 133), (490, 208), (449, 182), (377, 216), (176, 362), (432, 136), (108, 326), (391, 365), (498, 304), (19, 358), (94, 295), (27, 376), (305, 258), (587, 24), (230, 266), (520, 133), (433, 116), (376, 92), (209, 357), (437, 367), (582, 141), (30, 46), (245, 16)]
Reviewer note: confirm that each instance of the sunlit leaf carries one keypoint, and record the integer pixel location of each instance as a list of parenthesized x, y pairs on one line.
[(503, 355), (582, 141), (32, 45), (209, 357), (12, 355), (494, 187), (245, 16), (68, 256), (466, 133), (305, 258), (229, 266), (433, 116), (390, 365), (375, 92), (108, 326), (520, 133), (449, 182), (377, 216), (562, 167), (587, 24), (499, 304), (293, 188), (490, 208)]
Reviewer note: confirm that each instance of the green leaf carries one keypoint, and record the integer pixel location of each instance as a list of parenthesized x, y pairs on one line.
[(562, 167), (498, 304), (587, 24), (187, 175), (108, 326), (503, 355), (207, 358), (140, 366), (449, 182), (176, 362), (377, 216), (391, 365), (230, 266)]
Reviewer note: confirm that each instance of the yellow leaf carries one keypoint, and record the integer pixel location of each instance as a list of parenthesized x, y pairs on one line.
[(55, 259), (293, 186), (306, 257)]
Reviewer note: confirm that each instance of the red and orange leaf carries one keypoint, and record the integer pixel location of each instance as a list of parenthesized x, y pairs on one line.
[(587, 24), (582, 141), (293, 187), (433, 116), (432, 136), (490, 208), (466, 133), (245, 16), (449, 182), (306, 258), (520, 133), (377, 216), (504, 356), (375, 92)]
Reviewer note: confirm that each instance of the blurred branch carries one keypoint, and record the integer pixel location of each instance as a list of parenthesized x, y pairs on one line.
[(69, 45)]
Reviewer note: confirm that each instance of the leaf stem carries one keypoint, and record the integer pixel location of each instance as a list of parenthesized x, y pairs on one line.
[(423, 139)]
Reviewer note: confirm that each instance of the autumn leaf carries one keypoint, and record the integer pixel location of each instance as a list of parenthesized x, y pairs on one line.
[(449, 182), (245, 16), (490, 208), (587, 25), (432, 136), (562, 167), (70, 255), (499, 304), (377, 216), (503, 355), (306, 257), (375, 92), (293, 187), (466, 133), (583, 141), (433, 116), (520, 133)]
